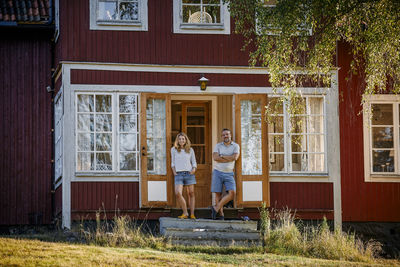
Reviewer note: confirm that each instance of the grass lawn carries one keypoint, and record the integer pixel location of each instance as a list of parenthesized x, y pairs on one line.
[(28, 252)]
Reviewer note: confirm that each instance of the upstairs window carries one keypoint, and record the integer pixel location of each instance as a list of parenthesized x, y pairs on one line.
[(381, 138), (130, 15), (201, 16), (297, 142)]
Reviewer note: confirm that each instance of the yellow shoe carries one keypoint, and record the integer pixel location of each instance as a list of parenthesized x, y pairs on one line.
[(183, 216), (193, 217)]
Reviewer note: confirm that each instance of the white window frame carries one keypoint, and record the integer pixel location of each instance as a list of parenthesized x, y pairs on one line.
[(371, 176), (217, 28), (119, 25), (259, 31), (288, 144), (115, 172), (58, 136)]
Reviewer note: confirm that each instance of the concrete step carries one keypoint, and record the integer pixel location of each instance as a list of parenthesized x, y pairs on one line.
[(215, 242), (210, 232), (167, 222), (217, 234)]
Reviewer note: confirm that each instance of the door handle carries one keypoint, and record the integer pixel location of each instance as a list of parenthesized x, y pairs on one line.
[(144, 151)]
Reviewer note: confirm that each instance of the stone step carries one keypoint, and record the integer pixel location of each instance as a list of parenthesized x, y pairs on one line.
[(167, 222), (215, 242), (216, 234)]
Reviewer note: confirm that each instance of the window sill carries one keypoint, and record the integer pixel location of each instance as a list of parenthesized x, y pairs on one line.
[(296, 177), (106, 174), (383, 178), (119, 26)]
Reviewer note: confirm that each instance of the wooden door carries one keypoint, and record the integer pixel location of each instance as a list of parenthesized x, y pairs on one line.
[(155, 139), (252, 174), (193, 118)]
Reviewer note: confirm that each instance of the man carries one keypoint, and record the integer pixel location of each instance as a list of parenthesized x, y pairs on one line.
[(225, 154)]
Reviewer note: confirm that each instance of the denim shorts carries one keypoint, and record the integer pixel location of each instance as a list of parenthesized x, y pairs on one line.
[(222, 178), (184, 178)]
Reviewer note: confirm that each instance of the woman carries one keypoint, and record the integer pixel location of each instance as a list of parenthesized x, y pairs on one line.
[(183, 164)]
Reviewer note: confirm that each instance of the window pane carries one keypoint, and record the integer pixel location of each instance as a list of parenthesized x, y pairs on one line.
[(382, 114), (276, 124), (277, 162), (196, 135), (103, 142), (127, 142), (299, 162), (316, 124), (103, 103), (276, 143), (85, 103), (129, 11), (85, 142), (298, 124), (383, 160), (316, 162), (150, 162), (191, 14), (251, 137), (156, 135), (103, 122), (195, 116), (127, 161), (213, 12), (128, 123), (275, 104), (103, 162), (107, 10), (299, 143), (191, 1), (316, 143), (127, 103), (85, 122), (316, 105), (382, 137), (85, 161)]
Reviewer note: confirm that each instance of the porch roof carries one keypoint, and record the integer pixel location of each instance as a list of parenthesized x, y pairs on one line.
[(15, 12)]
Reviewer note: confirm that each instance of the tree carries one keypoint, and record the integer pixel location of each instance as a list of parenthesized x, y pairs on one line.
[(287, 35)]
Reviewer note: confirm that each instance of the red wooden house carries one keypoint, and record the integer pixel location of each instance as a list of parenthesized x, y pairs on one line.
[(126, 81)]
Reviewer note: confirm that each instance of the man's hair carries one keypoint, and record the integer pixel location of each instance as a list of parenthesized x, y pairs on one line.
[(226, 129)]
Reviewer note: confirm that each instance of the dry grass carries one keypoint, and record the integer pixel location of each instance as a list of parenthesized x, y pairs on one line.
[(313, 241)]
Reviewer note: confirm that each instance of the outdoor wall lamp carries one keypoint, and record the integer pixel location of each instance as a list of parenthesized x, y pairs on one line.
[(203, 82)]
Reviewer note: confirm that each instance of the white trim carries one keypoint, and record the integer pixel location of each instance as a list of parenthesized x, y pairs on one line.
[(171, 68), (368, 175), (333, 146), (68, 162), (141, 25), (223, 28)]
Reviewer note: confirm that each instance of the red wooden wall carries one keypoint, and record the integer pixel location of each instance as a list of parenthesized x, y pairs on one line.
[(25, 136), (361, 201), (156, 46)]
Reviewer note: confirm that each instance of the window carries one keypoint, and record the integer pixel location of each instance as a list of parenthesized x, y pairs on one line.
[(297, 142), (381, 138), (107, 133), (201, 16), (267, 28), (58, 135), (130, 15)]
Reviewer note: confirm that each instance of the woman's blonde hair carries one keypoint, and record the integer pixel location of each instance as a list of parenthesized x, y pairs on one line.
[(187, 144)]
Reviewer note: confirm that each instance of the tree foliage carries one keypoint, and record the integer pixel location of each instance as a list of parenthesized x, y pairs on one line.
[(302, 35)]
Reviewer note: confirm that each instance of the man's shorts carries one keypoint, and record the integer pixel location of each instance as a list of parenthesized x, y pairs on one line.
[(222, 178), (184, 178)]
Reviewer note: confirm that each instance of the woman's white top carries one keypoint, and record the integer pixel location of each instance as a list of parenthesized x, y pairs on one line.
[(182, 161)]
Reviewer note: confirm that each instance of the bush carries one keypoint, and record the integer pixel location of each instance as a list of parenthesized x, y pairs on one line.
[(312, 241)]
